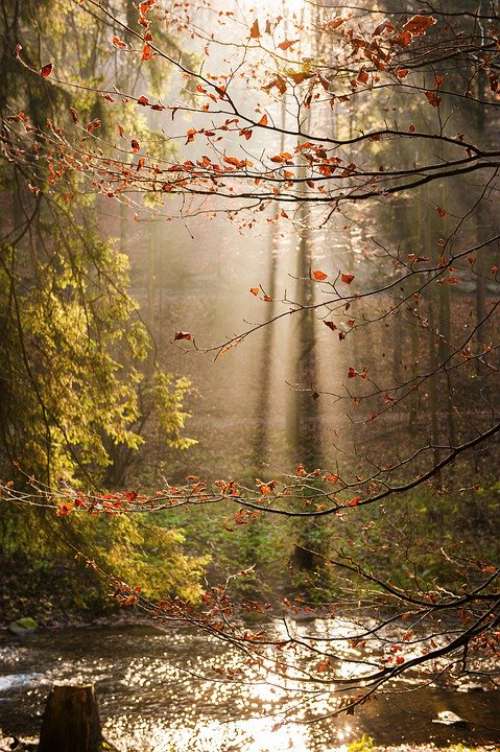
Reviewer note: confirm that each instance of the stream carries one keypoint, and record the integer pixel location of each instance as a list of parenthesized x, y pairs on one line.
[(150, 701)]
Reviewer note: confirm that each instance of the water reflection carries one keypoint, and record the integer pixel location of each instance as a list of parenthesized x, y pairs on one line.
[(153, 697)]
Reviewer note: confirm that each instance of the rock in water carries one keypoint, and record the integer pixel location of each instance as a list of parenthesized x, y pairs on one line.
[(24, 626), (448, 718)]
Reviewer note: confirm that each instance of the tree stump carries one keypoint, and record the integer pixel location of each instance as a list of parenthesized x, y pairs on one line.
[(71, 720)]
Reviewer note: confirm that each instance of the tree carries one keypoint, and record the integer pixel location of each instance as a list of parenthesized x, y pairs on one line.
[(402, 151)]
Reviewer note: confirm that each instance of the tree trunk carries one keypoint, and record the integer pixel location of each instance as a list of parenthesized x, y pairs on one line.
[(71, 720)]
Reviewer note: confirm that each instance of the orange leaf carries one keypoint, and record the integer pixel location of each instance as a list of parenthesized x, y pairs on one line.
[(254, 30), (347, 278), (255, 290), (354, 501), (363, 76), (287, 43), (117, 42), (284, 156), (331, 477), (147, 52), (298, 78), (319, 275), (264, 120), (402, 72)]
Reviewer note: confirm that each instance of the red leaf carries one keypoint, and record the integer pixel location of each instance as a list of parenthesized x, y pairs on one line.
[(144, 101), (330, 325), (46, 70), (347, 278), (402, 72), (433, 98), (351, 373), (418, 25), (442, 212), (363, 76), (183, 335), (135, 146)]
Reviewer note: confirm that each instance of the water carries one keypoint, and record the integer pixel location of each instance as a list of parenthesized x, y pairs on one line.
[(151, 698)]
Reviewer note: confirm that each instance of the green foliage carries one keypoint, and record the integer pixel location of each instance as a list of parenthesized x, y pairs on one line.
[(133, 549)]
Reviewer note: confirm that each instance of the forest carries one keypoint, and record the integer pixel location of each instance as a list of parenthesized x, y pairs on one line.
[(249, 368)]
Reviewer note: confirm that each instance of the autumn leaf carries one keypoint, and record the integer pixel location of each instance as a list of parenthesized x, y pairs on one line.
[(323, 665), (93, 125), (441, 212), (319, 275), (352, 373), (278, 82), (299, 77), (135, 146), (235, 162), (402, 72), (284, 156), (331, 477), (144, 101), (46, 70), (255, 290), (330, 325), (264, 120), (433, 98), (354, 501), (254, 30), (147, 52), (418, 25), (190, 135), (183, 335), (119, 43), (363, 76), (347, 278), (287, 43)]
